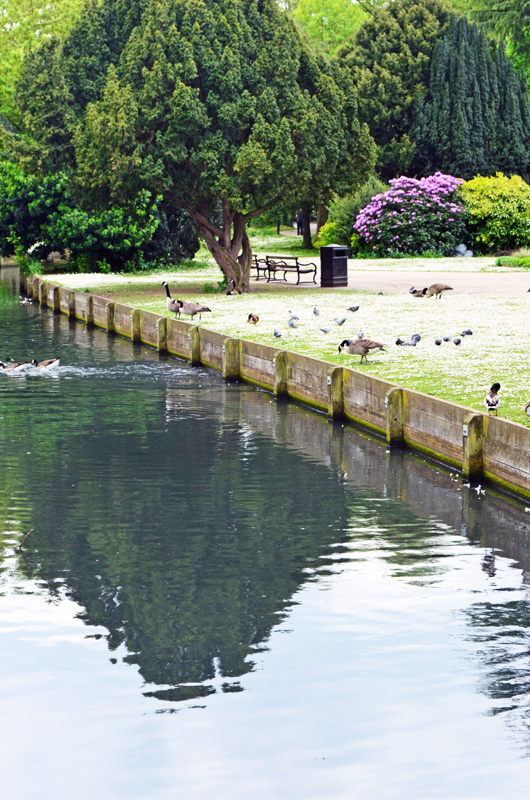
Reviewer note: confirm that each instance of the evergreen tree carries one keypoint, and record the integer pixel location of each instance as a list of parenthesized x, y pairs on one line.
[(474, 119), (221, 105), (389, 61)]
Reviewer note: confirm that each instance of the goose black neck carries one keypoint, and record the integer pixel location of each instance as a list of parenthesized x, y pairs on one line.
[(167, 290)]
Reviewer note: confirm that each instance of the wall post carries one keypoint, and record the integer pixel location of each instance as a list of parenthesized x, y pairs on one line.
[(43, 294), (394, 416), (109, 308), (161, 334), (280, 377), (335, 381), (55, 299), (231, 359), (135, 325), (90, 310), (473, 445), (194, 336)]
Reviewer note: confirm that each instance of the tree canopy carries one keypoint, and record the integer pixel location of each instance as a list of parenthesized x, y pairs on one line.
[(221, 104), (220, 107), (389, 61), (475, 118), (24, 24)]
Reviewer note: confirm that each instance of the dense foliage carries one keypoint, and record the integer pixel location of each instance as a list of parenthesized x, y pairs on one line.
[(475, 118), (343, 212), (510, 20), (389, 62), (207, 104), (39, 215), (498, 212), (24, 24), (414, 217)]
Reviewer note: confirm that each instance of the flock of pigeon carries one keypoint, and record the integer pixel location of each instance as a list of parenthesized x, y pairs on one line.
[(359, 346)]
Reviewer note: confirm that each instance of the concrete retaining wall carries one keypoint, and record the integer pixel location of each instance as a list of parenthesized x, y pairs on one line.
[(484, 448), (432, 424), (258, 364)]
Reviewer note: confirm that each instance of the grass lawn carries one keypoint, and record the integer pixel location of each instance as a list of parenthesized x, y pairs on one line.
[(496, 351)]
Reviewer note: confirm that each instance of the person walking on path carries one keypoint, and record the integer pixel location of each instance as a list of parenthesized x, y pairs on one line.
[(299, 219)]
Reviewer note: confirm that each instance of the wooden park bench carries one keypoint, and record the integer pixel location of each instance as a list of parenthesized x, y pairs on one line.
[(287, 264), (260, 265)]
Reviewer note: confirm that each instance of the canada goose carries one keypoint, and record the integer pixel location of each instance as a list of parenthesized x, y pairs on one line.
[(437, 289), (360, 347), (49, 363), (190, 308), (12, 367), (253, 319), (417, 292), (491, 401), (233, 287), (172, 305)]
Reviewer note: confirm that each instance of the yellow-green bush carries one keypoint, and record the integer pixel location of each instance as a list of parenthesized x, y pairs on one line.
[(498, 212)]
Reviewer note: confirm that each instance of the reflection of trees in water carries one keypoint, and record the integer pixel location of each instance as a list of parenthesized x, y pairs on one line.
[(189, 543), (502, 634)]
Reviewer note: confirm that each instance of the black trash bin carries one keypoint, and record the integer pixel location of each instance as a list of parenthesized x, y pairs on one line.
[(334, 265)]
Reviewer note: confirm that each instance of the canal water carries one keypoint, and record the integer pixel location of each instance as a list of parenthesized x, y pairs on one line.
[(226, 597)]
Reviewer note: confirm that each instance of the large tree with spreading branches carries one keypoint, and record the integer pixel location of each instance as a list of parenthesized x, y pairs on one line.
[(219, 107)]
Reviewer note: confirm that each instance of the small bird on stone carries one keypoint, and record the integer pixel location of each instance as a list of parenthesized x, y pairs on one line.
[(277, 334), (491, 401), (292, 323)]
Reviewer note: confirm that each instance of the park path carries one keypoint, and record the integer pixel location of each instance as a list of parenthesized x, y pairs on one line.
[(477, 283)]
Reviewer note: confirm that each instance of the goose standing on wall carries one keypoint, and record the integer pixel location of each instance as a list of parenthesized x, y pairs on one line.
[(172, 305), (437, 289), (189, 308), (492, 401), (360, 347)]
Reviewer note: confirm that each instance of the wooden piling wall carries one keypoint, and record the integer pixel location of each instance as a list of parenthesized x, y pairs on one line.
[(484, 448)]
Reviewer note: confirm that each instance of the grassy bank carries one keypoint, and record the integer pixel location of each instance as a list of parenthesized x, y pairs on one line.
[(496, 351)]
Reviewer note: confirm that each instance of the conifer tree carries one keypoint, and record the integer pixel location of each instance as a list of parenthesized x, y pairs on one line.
[(389, 61), (475, 116)]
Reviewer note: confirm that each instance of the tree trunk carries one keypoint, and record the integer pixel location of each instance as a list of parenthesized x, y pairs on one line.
[(306, 225), (322, 216), (229, 246)]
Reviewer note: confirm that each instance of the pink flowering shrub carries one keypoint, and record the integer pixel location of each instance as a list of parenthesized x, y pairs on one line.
[(413, 217)]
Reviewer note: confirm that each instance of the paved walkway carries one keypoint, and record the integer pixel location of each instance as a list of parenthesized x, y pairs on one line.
[(490, 283)]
